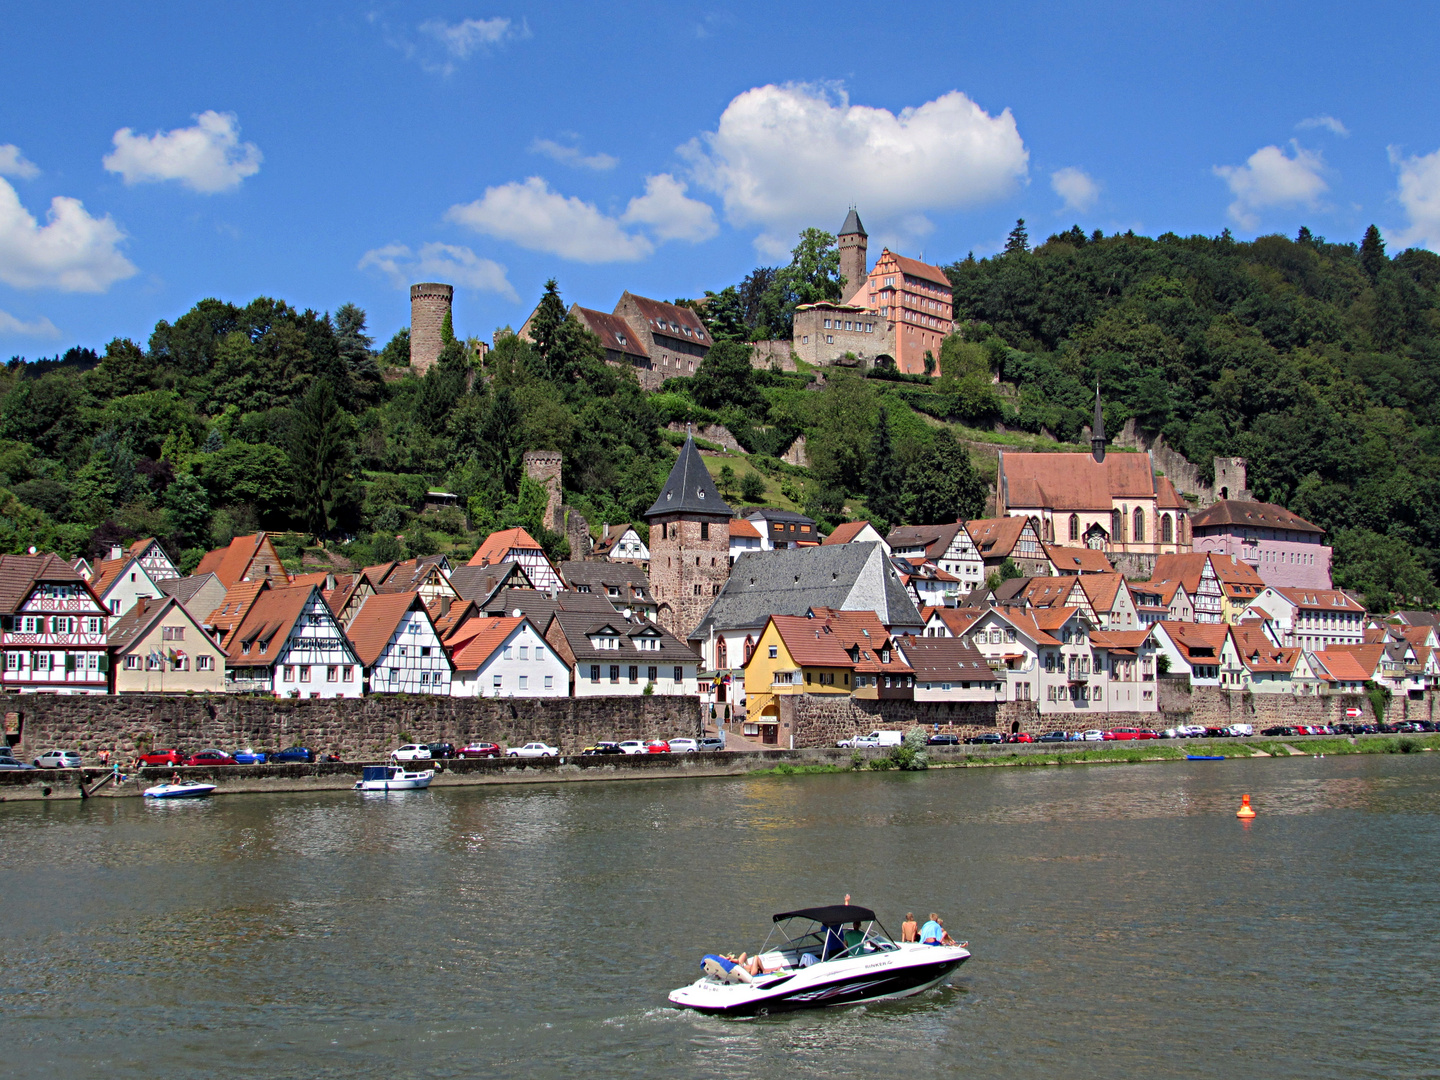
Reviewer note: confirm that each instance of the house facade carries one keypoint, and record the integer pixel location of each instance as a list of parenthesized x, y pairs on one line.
[(622, 543), (120, 583), (246, 559), (1191, 650), (914, 302), (518, 546), (612, 656), (509, 657), (1013, 538), (52, 628), (623, 347), (289, 644), (949, 669), (625, 585), (1202, 584), (950, 547), (674, 337), (157, 647), (400, 650), (783, 529), (1313, 619), (1282, 548)]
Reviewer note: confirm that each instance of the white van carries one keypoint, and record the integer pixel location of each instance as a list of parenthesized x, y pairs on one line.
[(875, 738)]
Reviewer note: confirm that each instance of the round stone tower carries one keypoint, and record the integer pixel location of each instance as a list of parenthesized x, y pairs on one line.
[(429, 306)]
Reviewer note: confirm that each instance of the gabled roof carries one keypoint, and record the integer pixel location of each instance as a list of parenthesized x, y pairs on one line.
[(267, 625), (1166, 497), (1077, 560), (539, 606), (498, 546), (132, 627), (844, 532), (1260, 515), (864, 638), (1319, 599), (1343, 665), (689, 489), (230, 563), (668, 319), (490, 635), (1261, 655), (1119, 640), (374, 624), (1043, 592), (239, 599), (1231, 570), (792, 581), (741, 527), (1067, 481), (810, 642), (478, 582), (577, 626), (109, 571), (937, 658), (612, 535), (936, 538), (1187, 569), (605, 575), (916, 268), (410, 575), (613, 331), (1102, 590), (320, 579), (377, 574), (19, 574), (995, 538), (1165, 589), (186, 589), (448, 616), (1189, 637), (1418, 618)]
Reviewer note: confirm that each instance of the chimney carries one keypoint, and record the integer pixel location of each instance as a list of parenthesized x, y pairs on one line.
[(116, 552)]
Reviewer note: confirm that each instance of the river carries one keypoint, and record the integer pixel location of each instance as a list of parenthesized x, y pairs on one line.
[(1123, 923)]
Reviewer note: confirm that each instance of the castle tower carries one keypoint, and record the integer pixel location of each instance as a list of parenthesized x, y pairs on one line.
[(429, 305), (689, 544), (852, 241), (544, 466)]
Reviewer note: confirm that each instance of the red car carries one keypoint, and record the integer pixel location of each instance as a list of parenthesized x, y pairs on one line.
[(657, 746), (211, 757), (162, 757), (1121, 734), (1023, 736), (481, 749)]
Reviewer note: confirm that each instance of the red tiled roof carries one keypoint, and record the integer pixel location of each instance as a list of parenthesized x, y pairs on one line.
[(1186, 569), (239, 598), (19, 574), (956, 620), (490, 635), (613, 331), (374, 624), (741, 527), (320, 578), (230, 563), (1319, 599), (996, 537), (1046, 592), (1166, 497), (844, 532), (810, 642), (1346, 666), (668, 318), (916, 268), (1081, 560), (1190, 636), (106, 571), (1074, 481), (1255, 514), (1258, 653), (1101, 590), (498, 545), (267, 625), (1235, 571)]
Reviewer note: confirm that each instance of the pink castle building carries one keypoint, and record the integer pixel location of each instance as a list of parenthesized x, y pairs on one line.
[(1284, 549)]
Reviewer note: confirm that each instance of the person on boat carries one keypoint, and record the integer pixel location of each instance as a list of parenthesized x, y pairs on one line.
[(725, 968), (854, 936), (945, 938), (932, 931), (175, 778), (909, 929)]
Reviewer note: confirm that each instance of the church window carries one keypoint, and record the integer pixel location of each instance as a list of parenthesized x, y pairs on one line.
[(1074, 526), (1117, 526), (1139, 529), (1166, 530), (749, 647)]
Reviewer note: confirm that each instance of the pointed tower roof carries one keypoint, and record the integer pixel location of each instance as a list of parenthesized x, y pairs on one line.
[(852, 225), (1097, 429), (689, 489)]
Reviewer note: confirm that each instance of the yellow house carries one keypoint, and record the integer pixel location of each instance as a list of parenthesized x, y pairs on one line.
[(157, 647), (795, 655)]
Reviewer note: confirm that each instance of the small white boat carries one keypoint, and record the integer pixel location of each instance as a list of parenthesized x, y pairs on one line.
[(393, 778), (189, 789)]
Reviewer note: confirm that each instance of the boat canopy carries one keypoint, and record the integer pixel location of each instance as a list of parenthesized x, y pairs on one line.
[(833, 915), (378, 772)]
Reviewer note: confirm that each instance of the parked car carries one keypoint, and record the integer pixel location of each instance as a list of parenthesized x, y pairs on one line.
[(683, 746), (1278, 729), (58, 759), (712, 743), (442, 750), (8, 762), (1126, 734), (1093, 735), (657, 746), (632, 746), (602, 749), (1020, 737), (986, 737), (211, 757), (1242, 731), (302, 754), (249, 757), (1053, 736), (533, 750), (481, 749), (875, 738), (411, 752), (943, 740), (171, 758)]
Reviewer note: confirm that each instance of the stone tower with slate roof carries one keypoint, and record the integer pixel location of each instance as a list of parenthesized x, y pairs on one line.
[(852, 241), (689, 544)]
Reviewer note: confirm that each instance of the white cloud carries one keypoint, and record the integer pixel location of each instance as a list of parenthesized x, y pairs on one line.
[(531, 215), (439, 262), (1075, 187), (41, 327), (72, 252), (570, 155), (1271, 178), (1329, 123), (669, 212), (780, 154), (1419, 194), (207, 158), (14, 163), (464, 38)]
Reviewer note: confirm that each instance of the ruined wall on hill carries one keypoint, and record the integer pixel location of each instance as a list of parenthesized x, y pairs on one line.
[(351, 728)]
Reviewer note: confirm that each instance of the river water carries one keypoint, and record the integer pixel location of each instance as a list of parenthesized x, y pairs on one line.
[(1123, 923)]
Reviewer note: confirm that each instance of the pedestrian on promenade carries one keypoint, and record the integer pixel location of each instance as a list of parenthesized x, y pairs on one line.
[(909, 929), (104, 757)]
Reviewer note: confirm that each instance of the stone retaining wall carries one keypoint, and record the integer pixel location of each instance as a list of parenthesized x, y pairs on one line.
[(1180, 703), (349, 727)]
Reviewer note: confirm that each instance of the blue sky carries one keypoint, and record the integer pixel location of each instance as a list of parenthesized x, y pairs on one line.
[(152, 154)]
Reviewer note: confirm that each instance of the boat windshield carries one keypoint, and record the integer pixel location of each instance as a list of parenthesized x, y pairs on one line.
[(803, 936)]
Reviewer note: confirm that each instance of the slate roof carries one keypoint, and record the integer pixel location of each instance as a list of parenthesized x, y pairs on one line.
[(19, 574), (613, 331), (184, 589), (852, 225), (939, 659), (578, 626), (689, 488), (792, 581), (602, 575), (478, 582), (540, 606), (1258, 515), (374, 624)]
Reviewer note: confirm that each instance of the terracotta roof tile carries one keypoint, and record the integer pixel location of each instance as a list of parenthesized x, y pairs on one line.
[(613, 331), (996, 537), (916, 268), (741, 527), (1074, 481), (1253, 514), (490, 635), (843, 533), (498, 545), (267, 625), (374, 624), (19, 574), (1081, 560)]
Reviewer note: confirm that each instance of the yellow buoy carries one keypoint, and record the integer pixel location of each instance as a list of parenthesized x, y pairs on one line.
[(1246, 810)]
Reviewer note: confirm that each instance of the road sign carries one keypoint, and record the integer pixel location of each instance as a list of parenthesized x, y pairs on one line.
[(1352, 712)]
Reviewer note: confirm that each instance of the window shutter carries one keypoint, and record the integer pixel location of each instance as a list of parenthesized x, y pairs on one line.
[(104, 661), (69, 662)]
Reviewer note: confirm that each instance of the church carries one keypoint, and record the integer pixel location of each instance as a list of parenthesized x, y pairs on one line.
[(1113, 503)]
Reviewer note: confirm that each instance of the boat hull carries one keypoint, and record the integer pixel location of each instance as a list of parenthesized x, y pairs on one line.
[(849, 982), (179, 791), (400, 782)]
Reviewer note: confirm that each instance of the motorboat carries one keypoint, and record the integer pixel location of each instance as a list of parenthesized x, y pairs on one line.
[(828, 956), (185, 789), (393, 778)]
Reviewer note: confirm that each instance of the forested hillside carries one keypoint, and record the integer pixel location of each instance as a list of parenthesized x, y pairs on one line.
[(1315, 361)]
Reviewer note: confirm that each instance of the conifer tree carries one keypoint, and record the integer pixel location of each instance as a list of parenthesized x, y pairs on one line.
[(1018, 242), (882, 474), (1372, 253)]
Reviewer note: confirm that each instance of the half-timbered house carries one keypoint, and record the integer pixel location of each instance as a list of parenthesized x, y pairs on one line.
[(290, 645), (517, 545), (399, 647), (52, 628), (120, 583)]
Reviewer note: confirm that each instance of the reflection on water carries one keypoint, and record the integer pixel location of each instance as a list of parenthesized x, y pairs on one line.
[(1123, 924)]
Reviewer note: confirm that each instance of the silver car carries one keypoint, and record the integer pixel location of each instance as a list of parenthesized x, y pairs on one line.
[(58, 759)]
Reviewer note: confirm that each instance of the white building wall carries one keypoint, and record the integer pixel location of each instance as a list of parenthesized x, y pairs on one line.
[(413, 661), (317, 660), (524, 666), (666, 685), (133, 584)]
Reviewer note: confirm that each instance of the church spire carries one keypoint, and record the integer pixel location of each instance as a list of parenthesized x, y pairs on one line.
[(1097, 428)]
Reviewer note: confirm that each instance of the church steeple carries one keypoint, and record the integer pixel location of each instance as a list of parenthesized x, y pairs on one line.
[(1097, 428)]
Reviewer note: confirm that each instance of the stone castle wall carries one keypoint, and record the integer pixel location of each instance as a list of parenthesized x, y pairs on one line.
[(429, 304), (353, 728), (765, 353), (544, 467)]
